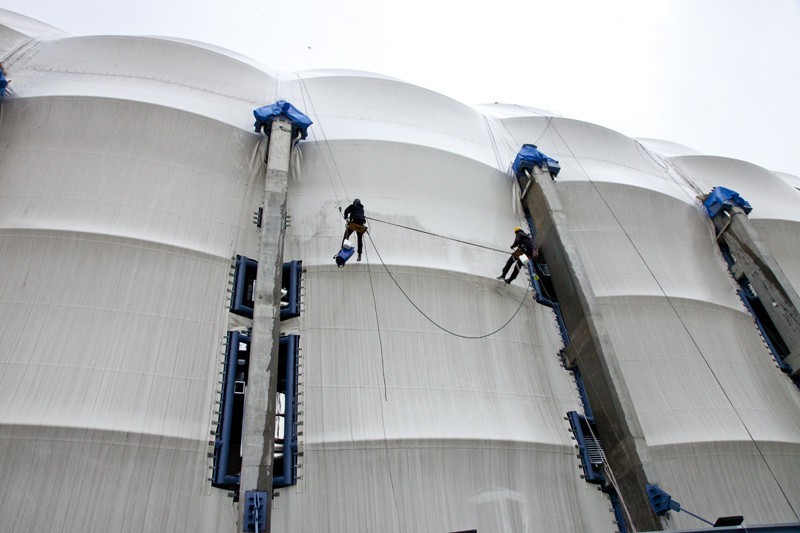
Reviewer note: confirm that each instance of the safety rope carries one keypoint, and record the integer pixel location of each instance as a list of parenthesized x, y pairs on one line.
[(438, 235), (521, 303), (385, 393), (495, 148), (303, 94), (378, 324)]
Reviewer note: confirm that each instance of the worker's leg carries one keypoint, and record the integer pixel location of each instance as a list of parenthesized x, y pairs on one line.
[(360, 241), (508, 265), (514, 273)]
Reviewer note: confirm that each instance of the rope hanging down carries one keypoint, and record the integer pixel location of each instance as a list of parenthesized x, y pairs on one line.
[(521, 303), (378, 323)]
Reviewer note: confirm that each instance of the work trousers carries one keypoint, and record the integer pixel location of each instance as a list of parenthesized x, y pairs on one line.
[(359, 229), (511, 260)]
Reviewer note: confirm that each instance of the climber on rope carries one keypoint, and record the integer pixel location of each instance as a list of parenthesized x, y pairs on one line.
[(356, 221), (524, 251)]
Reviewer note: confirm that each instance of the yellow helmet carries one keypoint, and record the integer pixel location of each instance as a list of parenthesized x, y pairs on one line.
[(517, 229)]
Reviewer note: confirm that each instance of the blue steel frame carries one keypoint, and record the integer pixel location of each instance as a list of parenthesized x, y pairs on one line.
[(617, 506), (222, 441), (589, 472), (290, 276), (288, 347), (562, 327), (746, 299), (587, 409), (288, 476), (292, 273), (743, 295), (238, 306)]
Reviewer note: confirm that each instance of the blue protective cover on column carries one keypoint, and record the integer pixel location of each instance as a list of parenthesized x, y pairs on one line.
[(529, 155), (265, 115), (720, 197)]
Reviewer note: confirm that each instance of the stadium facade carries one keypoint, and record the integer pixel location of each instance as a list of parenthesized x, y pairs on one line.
[(419, 393)]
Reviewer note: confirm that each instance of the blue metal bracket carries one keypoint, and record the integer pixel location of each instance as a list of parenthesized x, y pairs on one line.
[(587, 409), (591, 473), (255, 511), (662, 502), (244, 282), (292, 273)]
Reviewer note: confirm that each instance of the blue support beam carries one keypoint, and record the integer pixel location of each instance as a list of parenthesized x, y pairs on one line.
[(288, 472), (224, 440)]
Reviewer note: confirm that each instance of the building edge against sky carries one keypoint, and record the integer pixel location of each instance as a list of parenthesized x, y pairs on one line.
[(129, 175)]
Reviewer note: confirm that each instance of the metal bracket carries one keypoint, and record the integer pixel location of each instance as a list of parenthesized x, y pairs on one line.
[(255, 511)]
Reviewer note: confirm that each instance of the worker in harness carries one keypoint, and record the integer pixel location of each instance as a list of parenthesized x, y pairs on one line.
[(524, 251), (356, 221)]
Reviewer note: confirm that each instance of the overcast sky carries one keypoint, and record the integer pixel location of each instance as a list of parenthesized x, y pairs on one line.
[(719, 76)]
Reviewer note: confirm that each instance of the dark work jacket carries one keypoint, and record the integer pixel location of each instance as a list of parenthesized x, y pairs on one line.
[(524, 241), (355, 212)]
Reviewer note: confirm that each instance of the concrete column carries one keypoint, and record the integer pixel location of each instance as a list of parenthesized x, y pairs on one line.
[(755, 262), (591, 349), (258, 434)]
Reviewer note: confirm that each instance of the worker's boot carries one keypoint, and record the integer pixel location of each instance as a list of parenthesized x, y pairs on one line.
[(358, 258)]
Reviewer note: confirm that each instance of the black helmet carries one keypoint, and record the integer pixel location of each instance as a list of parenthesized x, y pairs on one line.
[(357, 201)]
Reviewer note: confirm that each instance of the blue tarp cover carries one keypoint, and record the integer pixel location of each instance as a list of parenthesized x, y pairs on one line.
[(265, 115), (720, 197), (529, 155)]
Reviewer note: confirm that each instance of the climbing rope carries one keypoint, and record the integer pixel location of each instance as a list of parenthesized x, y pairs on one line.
[(437, 235), (378, 324), (305, 94), (521, 303)]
